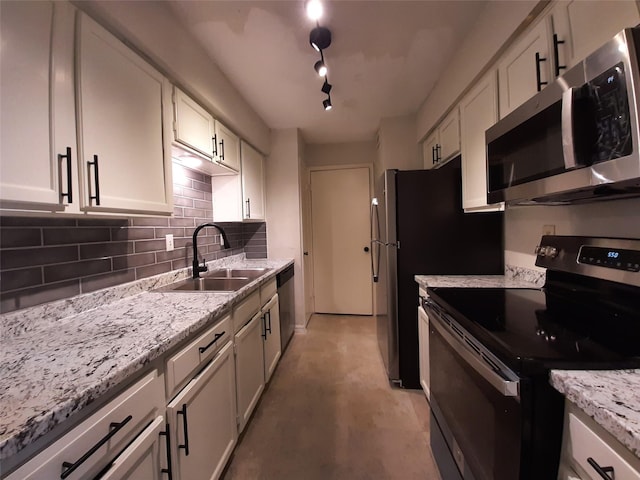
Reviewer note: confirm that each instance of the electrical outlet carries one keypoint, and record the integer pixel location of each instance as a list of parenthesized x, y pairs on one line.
[(548, 230), (169, 240)]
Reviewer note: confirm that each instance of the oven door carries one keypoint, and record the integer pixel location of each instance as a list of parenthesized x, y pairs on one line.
[(477, 409)]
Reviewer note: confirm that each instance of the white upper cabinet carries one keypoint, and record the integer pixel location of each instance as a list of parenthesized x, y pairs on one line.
[(123, 107), (582, 27), (444, 142), (252, 183), (478, 112), (227, 149), (37, 119), (525, 69), (193, 126)]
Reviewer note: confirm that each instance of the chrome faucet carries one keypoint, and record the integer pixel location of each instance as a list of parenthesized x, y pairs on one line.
[(197, 268)]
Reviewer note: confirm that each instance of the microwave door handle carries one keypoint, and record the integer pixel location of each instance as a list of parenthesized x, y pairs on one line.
[(568, 147)]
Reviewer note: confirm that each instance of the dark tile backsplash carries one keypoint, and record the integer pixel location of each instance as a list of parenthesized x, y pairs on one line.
[(46, 259)]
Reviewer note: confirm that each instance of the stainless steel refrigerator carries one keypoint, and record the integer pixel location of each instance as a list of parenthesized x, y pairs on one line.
[(418, 227)]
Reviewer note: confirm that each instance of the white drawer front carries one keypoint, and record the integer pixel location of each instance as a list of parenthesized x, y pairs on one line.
[(268, 290), (140, 402), (246, 310), (181, 365), (585, 444)]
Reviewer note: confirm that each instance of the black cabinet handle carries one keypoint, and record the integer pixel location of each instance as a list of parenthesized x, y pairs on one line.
[(185, 429), (167, 470), (215, 339), (539, 82), (248, 202), (557, 66), (602, 471), (95, 197), (67, 157), (264, 326), (215, 145), (438, 152), (114, 427), (433, 155), (268, 315), (221, 148)]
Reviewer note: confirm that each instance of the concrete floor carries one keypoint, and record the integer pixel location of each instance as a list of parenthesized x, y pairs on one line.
[(330, 413)]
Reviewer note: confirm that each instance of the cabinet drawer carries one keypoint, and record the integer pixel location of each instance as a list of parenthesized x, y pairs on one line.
[(584, 443), (245, 310), (268, 290), (123, 418), (181, 365)]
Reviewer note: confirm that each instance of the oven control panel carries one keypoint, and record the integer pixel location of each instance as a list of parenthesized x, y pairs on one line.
[(618, 258)]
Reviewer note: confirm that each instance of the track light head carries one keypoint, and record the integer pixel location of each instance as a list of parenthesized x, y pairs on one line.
[(321, 68), (327, 103), (326, 87), (320, 38)]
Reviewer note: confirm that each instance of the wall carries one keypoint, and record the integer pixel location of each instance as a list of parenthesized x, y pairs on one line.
[(151, 28), (46, 259), (284, 208), (397, 145), (523, 225), (329, 154), (484, 43)]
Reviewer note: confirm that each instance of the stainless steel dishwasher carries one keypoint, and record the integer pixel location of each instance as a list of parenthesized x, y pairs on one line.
[(287, 307)]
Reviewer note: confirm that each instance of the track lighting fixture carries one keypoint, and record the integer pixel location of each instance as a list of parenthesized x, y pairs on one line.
[(321, 68), (326, 86), (320, 38), (314, 9), (327, 103)]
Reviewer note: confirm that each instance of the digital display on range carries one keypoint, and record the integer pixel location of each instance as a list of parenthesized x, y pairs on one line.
[(610, 257)]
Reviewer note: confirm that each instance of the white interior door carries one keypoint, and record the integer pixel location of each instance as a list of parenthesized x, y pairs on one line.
[(340, 230)]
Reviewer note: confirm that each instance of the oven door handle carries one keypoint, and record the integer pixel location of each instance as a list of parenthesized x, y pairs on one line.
[(508, 388)]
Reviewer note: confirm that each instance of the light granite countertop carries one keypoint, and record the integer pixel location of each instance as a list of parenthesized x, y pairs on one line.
[(472, 281), (611, 398), (58, 358)]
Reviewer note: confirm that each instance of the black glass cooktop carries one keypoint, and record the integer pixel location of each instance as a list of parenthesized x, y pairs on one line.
[(530, 329)]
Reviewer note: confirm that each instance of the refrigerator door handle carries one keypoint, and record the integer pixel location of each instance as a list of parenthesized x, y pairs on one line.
[(375, 242)]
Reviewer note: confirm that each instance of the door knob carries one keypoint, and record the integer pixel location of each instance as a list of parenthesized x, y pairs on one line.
[(366, 249)]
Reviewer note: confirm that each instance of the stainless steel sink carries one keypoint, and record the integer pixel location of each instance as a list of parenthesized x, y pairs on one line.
[(222, 280), (250, 273)]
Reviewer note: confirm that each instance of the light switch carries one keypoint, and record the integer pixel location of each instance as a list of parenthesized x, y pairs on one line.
[(169, 240)]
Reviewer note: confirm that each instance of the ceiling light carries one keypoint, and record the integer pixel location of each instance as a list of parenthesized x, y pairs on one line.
[(321, 68), (314, 9), (327, 103), (326, 87), (320, 38)]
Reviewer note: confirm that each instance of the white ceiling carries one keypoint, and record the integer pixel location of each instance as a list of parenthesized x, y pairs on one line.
[(385, 57)]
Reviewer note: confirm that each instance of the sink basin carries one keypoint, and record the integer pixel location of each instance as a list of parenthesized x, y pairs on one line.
[(250, 273), (207, 284)]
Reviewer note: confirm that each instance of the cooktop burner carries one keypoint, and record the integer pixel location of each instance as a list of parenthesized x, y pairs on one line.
[(530, 328)]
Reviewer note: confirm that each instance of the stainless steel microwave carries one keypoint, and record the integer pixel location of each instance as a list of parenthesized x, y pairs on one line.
[(577, 140)]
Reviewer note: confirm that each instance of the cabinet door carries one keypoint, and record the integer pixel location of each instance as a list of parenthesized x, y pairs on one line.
[(423, 341), (194, 126), (249, 368), (252, 183), (141, 460), (585, 26), (122, 104), (228, 147), (478, 111), (202, 421), (518, 69), (449, 136), (271, 335), (37, 118), (429, 153)]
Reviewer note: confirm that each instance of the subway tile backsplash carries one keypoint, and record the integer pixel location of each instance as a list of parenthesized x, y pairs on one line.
[(46, 259)]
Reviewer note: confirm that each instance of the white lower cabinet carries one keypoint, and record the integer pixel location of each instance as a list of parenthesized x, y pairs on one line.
[(591, 453), (202, 421), (249, 368), (271, 336), (96, 443), (423, 352)]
